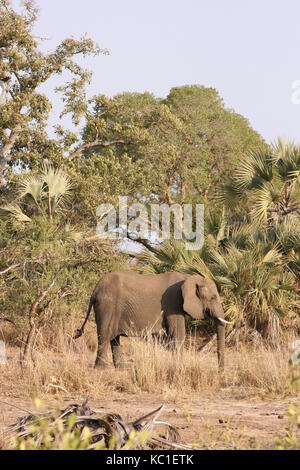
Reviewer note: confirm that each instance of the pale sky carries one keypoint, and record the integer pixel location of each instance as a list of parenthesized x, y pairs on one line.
[(247, 49)]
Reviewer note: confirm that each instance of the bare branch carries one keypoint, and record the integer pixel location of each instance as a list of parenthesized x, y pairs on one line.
[(143, 242), (10, 268), (10, 143), (8, 320), (5, 149), (95, 144), (40, 298), (32, 312)]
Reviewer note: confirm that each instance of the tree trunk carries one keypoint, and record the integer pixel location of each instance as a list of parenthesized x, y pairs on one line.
[(2, 167), (29, 343), (32, 314)]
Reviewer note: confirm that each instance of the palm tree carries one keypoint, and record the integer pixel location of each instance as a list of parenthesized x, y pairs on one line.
[(258, 289), (45, 194), (287, 235), (267, 181)]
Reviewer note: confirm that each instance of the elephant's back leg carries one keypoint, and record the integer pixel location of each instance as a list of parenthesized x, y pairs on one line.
[(106, 330), (175, 327)]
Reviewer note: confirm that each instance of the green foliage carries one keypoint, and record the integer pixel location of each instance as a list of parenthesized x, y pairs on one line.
[(179, 149), (48, 436), (291, 440), (23, 119), (39, 246), (42, 194), (171, 150), (213, 138), (267, 182)]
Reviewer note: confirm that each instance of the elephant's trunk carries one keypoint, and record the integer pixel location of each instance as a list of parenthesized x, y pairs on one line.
[(220, 343), (218, 312)]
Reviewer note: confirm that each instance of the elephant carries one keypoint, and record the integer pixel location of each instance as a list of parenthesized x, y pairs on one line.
[(128, 303)]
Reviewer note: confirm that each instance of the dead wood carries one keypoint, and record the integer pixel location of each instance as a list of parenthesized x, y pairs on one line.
[(109, 429)]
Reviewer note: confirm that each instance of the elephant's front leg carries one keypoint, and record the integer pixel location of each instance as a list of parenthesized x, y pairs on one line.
[(117, 355), (175, 326)]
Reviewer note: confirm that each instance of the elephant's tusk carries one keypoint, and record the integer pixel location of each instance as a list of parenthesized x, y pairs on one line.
[(225, 321)]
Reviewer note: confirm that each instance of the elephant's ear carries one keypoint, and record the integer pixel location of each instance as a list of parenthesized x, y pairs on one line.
[(192, 305)]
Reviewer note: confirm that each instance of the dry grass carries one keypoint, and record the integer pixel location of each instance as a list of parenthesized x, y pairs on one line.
[(258, 370), (66, 367)]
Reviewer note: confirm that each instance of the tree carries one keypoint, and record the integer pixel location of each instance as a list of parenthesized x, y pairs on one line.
[(211, 142), (23, 136), (175, 150)]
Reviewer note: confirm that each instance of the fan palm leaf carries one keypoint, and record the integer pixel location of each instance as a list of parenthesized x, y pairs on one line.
[(266, 201), (57, 186), (13, 211), (31, 187), (286, 156), (254, 170)]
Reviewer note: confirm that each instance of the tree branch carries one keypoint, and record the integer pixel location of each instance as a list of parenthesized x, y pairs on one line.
[(10, 268), (14, 134), (143, 242), (5, 149), (7, 320), (32, 312), (94, 144), (40, 299)]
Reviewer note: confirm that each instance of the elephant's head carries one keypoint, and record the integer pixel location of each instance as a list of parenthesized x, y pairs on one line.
[(200, 295)]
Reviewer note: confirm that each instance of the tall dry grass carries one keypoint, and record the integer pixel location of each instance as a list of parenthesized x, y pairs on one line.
[(62, 366)]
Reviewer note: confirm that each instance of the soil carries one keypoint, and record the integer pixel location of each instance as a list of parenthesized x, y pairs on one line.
[(213, 423)]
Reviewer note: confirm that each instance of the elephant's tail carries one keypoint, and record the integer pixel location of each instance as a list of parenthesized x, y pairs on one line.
[(80, 331)]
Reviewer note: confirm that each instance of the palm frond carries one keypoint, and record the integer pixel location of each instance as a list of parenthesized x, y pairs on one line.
[(193, 263), (14, 212), (31, 186), (253, 170), (71, 234), (56, 184), (272, 257), (287, 158), (150, 263), (265, 201)]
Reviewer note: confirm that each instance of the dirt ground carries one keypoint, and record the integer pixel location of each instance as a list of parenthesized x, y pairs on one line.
[(216, 423)]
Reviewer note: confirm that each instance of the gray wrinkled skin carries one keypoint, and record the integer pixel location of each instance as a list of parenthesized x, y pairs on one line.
[(132, 304)]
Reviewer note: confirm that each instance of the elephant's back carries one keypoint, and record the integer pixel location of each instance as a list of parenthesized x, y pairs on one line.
[(136, 300), (141, 279)]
